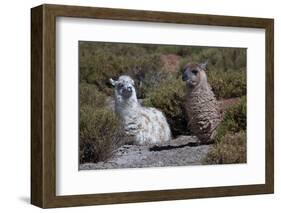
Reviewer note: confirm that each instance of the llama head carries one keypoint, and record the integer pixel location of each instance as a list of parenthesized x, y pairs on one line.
[(195, 74), (124, 87)]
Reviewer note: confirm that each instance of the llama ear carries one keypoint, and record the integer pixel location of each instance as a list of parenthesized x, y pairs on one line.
[(204, 65), (113, 83)]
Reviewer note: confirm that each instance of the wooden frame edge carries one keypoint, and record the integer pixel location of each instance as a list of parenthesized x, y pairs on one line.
[(36, 106), (269, 138), (43, 174)]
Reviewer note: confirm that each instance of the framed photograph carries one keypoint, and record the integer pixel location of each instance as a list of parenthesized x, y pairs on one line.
[(136, 106)]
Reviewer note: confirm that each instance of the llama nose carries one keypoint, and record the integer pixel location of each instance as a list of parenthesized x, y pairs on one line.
[(184, 76)]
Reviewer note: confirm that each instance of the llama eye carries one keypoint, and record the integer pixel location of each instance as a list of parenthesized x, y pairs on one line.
[(120, 86), (194, 72)]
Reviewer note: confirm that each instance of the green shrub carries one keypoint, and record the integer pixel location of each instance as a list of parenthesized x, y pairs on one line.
[(168, 49), (173, 49), (222, 59), (227, 84), (90, 95), (180, 50), (234, 119), (169, 97), (230, 141), (99, 134), (100, 61), (231, 149)]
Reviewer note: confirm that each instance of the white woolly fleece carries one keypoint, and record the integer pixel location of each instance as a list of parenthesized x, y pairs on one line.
[(144, 125)]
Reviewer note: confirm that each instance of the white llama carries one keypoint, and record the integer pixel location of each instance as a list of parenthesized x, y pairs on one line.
[(144, 125)]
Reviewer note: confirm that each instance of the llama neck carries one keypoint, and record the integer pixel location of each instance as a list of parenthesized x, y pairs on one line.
[(126, 106), (200, 94), (202, 87)]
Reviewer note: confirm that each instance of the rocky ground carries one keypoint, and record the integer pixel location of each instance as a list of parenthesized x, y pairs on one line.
[(182, 151)]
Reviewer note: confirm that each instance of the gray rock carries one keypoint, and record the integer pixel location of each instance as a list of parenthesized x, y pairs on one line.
[(183, 151)]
